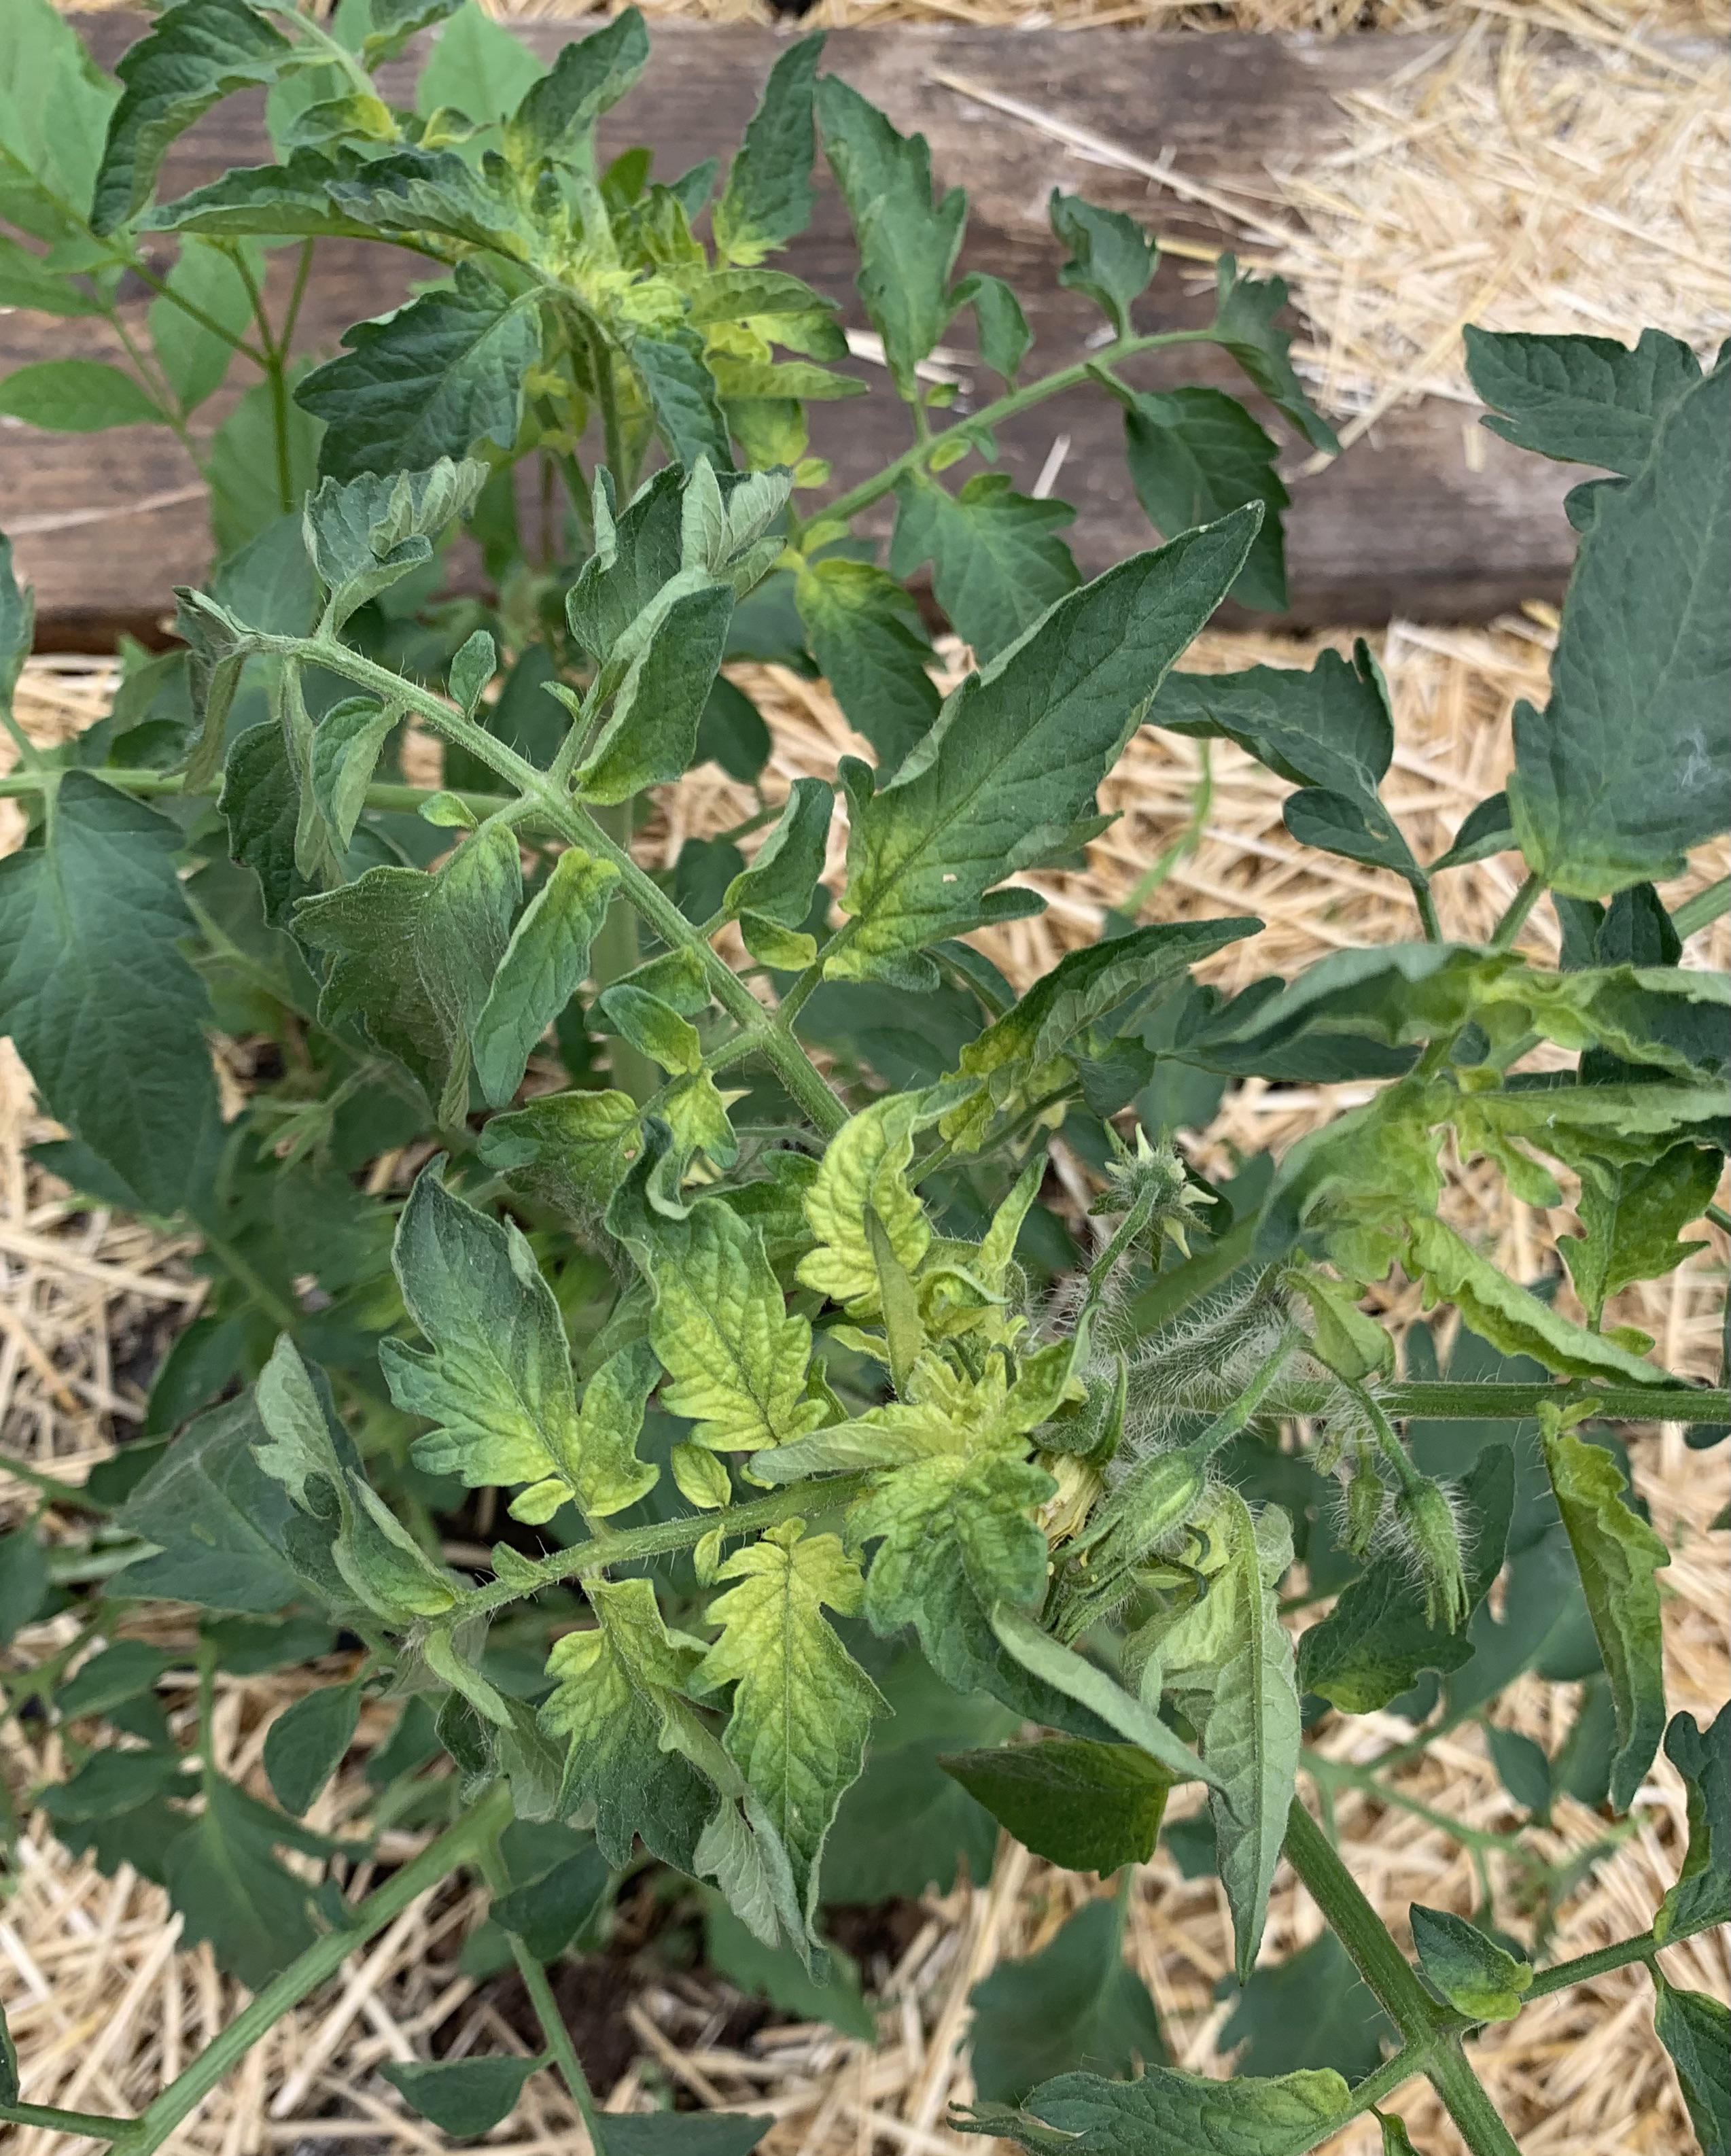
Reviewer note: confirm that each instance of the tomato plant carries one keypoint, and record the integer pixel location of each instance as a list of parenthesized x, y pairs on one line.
[(731, 1287)]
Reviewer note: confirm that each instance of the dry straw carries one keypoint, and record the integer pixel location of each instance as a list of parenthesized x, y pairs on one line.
[(1562, 181)]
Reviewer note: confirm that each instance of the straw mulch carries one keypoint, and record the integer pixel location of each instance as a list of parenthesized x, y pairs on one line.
[(1528, 181)]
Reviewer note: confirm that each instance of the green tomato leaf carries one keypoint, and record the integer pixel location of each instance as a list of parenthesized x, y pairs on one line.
[(557, 115), (194, 55), (784, 872), (866, 635), (1701, 1896), (907, 243), (8, 2063), (1314, 2006), (1585, 400), (1004, 336), (1631, 1219), (567, 1150), (431, 380), (1618, 1555), (1194, 455), (776, 1973), (1074, 1999), (617, 1693), (547, 956), (650, 736), (463, 2098), (681, 393), (1476, 1976), (1244, 311), (497, 1381), (681, 2134), (1111, 258), (226, 1884), (801, 1705), (266, 201), (1167, 2113), (1017, 754), (1696, 2030), (395, 21), (998, 562), (305, 1746), (95, 992), (17, 625), (1629, 765), (548, 1910), (366, 534), (54, 104), (120, 1673), (1377, 1640), (414, 955), (768, 197), (1088, 1807), (1076, 1678), (343, 754), (76, 397), (478, 66), (24, 1580)]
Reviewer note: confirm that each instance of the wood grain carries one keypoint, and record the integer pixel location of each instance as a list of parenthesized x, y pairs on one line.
[(1400, 525)]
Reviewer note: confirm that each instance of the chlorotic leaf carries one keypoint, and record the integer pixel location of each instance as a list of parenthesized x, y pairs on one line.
[(463, 2098), (865, 1165), (566, 1150), (1088, 1807), (769, 196), (1617, 1555), (802, 1706), (547, 956), (1076, 2000), (1475, 1975)]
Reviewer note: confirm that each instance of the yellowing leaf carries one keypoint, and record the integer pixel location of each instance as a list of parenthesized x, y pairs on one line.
[(867, 1163)]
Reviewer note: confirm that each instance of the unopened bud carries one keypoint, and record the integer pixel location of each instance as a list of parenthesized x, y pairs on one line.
[(1364, 1499), (1425, 1522), (1154, 1500), (1153, 1183)]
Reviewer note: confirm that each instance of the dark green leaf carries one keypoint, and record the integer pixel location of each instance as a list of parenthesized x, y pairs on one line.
[(1631, 1219), (1194, 455), (1618, 1555), (1017, 754), (1111, 258), (219, 1520), (195, 54), (194, 356), (1475, 1975), (1485, 830), (1074, 2002), (1701, 1896), (732, 733), (305, 1745), (1521, 1767), (908, 245), (868, 641), (1695, 2031), (681, 392), (24, 1580), (769, 196), (1585, 400), (1004, 336), (1088, 1807), (777, 1975), (225, 1882), (548, 956), (365, 536), (118, 1673), (463, 2098), (414, 957), (1246, 309), (651, 734), (1167, 2113), (104, 1007), (548, 1912), (1313, 2008), (682, 2134), (17, 624), (433, 379), (557, 115), (997, 560), (1377, 1641), (76, 397), (1630, 765), (8, 2063), (395, 21)]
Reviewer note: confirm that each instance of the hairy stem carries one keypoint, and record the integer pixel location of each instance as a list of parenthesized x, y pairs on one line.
[(95, 2123), (1514, 919), (1583, 1967)]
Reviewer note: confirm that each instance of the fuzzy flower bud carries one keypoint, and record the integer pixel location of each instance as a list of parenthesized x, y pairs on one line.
[(1147, 1508), (1152, 1183), (1364, 1499), (1425, 1526)]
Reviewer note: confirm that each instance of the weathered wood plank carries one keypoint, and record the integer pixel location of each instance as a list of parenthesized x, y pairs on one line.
[(1400, 525)]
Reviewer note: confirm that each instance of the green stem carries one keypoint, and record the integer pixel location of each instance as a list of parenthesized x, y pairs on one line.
[(1515, 918), (1703, 908), (1343, 1774), (136, 779), (1585, 1966), (58, 1493), (457, 1845), (614, 954), (547, 2010), (661, 1539), (1427, 913), (93, 2123), (1467, 2104), (849, 505)]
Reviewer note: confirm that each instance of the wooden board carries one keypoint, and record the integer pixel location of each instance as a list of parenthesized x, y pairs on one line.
[(1400, 525)]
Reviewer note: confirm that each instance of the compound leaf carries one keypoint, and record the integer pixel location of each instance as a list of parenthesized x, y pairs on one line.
[(76, 397), (1244, 311), (305, 1745), (1111, 258), (1618, 1555), (218, 1518), (1631, 1218), (801, 1705), (365, 535), (651, 734), (224, 1880), (1696, 2030), (557, 117)]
